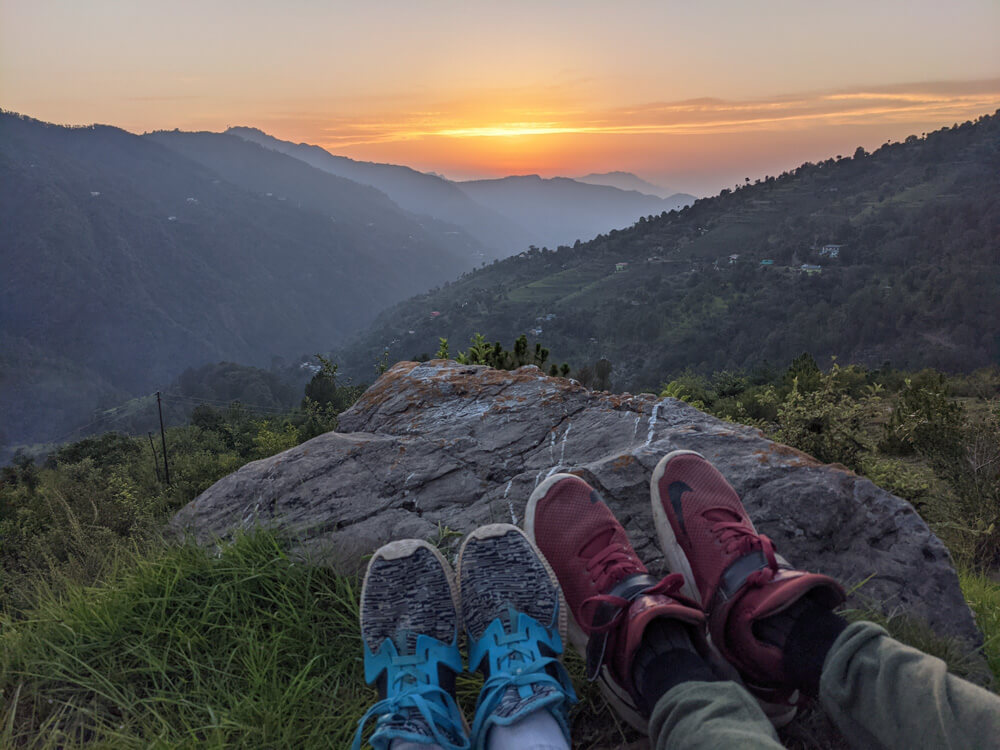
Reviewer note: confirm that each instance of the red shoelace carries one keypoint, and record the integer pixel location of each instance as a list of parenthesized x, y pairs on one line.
[(739, 538), (609, 566)]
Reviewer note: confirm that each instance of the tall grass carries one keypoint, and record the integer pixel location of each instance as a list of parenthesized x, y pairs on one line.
[(247, 648), (983, 595), (244, 648)]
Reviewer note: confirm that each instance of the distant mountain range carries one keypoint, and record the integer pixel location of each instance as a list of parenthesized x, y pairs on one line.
[(560, 211), (629, 181), (129, 258), (506, 215), (414, 191), (891, 256)]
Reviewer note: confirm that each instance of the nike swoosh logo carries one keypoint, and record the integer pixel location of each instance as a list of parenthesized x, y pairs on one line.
[(675, 492)]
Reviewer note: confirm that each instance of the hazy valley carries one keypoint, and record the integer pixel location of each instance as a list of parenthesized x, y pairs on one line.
[(131, 258)]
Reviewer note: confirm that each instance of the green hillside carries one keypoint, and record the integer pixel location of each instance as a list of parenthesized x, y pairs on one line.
[(127, 259), (915, 279)]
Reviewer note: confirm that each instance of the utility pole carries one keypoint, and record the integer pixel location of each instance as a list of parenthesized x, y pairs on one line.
[(163, 437), (156, 461)]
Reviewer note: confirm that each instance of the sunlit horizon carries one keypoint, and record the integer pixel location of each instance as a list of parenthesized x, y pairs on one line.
[(690, 98)]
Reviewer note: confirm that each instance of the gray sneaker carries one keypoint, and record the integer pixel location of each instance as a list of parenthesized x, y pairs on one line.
[(409, 626), (515, 621)]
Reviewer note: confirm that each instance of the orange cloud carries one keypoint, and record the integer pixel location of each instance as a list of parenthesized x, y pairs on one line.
[(484, 119)]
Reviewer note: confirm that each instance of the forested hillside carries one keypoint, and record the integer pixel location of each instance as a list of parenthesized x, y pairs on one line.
[(893, 255), (124, 262)]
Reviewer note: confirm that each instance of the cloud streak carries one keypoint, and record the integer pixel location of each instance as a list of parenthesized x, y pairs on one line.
[(914, 103)]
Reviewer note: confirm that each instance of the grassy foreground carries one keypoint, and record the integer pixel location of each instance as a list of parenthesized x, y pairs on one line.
[(110, 638), (242, 648), (245, 648)]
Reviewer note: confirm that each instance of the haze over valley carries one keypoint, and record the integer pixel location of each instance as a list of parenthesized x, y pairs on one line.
[(131, 258)]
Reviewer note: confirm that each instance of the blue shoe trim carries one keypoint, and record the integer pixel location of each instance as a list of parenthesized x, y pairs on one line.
[(515, 660), (412, 683)]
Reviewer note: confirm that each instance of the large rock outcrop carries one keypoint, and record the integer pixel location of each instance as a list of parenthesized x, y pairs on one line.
[(442, 445)]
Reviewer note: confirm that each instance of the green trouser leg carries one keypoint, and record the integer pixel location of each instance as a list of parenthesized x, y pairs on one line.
[(710, 715), (879, 692)]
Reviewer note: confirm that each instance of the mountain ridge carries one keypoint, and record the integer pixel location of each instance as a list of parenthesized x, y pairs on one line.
[(558, 211), (561, 210), (893, 255), (628, 181), (125, 262), (415, 191)]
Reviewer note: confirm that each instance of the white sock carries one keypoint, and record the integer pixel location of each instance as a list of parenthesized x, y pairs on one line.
[(537, 731)]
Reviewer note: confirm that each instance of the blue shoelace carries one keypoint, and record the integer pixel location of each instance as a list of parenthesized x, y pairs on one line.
[(515, 661), (412, 687)]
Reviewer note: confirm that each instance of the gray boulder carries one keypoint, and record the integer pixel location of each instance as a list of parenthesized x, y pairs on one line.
[(442, 446)]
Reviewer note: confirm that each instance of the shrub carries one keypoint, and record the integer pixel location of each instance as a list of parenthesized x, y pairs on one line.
[(827, 422)]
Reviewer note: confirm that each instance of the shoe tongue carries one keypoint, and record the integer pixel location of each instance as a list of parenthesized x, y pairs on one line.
[(599, 542)]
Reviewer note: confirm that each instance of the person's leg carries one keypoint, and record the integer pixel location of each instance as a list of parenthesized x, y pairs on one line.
[(536, 731), (735, 575), (879, 691), (409, 630), (710, 715), (693, 707), (510, 607), (611, 597), (645, 643), (776, 626)]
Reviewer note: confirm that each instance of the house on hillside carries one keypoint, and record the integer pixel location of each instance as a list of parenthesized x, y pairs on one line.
[(733, 258), (830, 251), (435, 313), (536, 331), (619, 267), (811, 268), (767, 262)]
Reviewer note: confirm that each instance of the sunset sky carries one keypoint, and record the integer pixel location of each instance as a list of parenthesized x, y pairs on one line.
[(692, 95)]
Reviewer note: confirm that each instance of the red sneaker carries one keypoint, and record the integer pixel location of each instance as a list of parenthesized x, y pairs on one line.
[(610, 595), (730, 570)]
